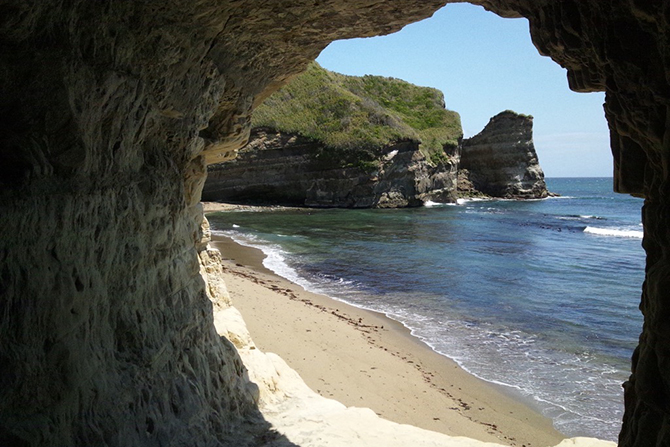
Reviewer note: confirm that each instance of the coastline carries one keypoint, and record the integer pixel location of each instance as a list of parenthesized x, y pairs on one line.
[(364, 359)]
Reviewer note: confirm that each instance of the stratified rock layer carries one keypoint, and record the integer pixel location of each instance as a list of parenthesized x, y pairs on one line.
[(110, 111), (331, 140), (276, 167), (501, 160), (285, 168)]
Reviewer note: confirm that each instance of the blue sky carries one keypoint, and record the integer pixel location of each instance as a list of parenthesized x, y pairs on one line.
[(485, 64)]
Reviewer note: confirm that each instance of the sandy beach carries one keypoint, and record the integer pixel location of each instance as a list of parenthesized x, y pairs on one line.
[(364, 359)]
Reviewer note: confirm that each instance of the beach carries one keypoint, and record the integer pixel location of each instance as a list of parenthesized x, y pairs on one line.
[(364, 359)]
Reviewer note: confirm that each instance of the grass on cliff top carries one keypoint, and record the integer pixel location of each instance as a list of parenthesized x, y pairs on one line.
[(349, 113)]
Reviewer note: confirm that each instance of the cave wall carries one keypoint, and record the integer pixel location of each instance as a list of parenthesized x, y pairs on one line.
[(110, 111)]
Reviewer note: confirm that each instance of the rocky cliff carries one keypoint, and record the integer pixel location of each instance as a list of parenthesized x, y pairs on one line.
[(332, 140), (110, 112), (501, 160), (290, 169)]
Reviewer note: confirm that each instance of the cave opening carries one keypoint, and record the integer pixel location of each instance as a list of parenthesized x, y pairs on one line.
[(503, 70), (485, 64), (104, 315)]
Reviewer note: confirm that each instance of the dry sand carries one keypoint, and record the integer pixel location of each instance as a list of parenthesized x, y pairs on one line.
[(365, 359)]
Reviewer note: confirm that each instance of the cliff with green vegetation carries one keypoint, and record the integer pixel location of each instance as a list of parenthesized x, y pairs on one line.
[(351, 113), (328, 139), (331, 140)]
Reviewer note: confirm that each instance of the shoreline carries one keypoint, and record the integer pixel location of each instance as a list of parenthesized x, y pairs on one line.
[(364, 359)]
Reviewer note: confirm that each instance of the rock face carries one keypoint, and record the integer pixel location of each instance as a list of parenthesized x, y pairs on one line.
[(110, 112), (283, 168), (501, 160), (277, 167), (331, 140)]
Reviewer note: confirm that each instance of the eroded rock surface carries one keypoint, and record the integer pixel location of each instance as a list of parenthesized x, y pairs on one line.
[(110, 111), (276, 167), (501, 161)]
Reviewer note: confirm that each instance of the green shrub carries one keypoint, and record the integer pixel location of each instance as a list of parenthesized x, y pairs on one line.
[(355, 117)]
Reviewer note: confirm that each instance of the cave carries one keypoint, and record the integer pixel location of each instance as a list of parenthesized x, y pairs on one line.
[(110, 113)]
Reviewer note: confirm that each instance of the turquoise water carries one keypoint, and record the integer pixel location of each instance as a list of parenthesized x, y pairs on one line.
[(540, 296)]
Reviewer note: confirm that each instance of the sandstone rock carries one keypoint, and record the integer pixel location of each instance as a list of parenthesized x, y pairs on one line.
[(109, 112), (284, 168), (501, 160), (211, 270), (330, 140), (465, 187)]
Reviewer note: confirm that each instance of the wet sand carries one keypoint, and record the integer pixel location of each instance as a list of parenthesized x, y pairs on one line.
[(364, 359)]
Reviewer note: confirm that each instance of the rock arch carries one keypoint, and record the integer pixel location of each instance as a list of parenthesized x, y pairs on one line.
[(110, 112)]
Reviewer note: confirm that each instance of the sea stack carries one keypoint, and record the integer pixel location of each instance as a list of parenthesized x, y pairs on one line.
[(501, 160)]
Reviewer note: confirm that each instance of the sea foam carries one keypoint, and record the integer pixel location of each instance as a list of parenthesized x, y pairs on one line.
[(614, 232)]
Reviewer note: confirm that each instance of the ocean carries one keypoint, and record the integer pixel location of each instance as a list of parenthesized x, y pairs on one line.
[(539, 296)]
